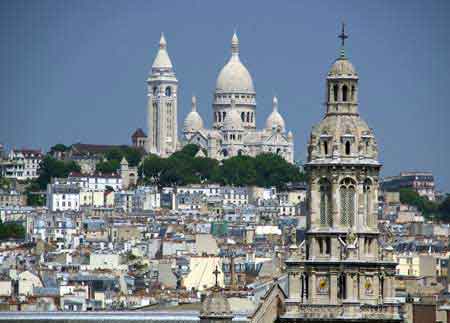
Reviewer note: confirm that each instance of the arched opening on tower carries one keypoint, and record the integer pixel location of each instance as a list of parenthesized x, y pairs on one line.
[(168, 91), (335, 92), (325, 147), (353, 93), (243, 116), (344, 93), (347, 201), (325, 203)]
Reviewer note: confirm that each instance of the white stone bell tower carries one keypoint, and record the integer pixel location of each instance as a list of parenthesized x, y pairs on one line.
[(162, 105)]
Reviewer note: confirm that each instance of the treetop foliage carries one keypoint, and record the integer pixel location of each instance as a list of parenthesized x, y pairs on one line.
[(183, 168)]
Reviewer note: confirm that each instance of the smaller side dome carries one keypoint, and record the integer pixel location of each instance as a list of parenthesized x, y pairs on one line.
[(275, 120), (193, 121)]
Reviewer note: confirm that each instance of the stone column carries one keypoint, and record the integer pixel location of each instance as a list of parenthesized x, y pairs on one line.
[(314, 199), (334, 201), (361, 218), (333, 287), (294, 284), (312, 288), (350, 294)]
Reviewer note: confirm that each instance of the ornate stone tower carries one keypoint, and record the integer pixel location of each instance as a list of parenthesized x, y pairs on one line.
[(162, 105), (341, 271), (215, 307)]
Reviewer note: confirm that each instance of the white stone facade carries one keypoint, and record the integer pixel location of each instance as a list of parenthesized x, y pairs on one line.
[(22, 164), (234, 131)]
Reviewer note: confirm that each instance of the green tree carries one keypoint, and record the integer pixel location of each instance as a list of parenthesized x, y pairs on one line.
[(109, 166), (59, 148), (11, 230), (151, 169), (51, 168)]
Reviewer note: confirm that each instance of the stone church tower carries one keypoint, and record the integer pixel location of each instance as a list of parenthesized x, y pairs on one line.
[(341, 271), (162, 105)]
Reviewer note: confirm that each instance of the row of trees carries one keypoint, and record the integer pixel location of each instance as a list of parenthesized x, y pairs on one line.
[(11, 230), (439, 211), (183, 168), (114, 157)]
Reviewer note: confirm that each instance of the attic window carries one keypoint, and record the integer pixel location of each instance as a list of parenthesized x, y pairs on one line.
[(347, 148)]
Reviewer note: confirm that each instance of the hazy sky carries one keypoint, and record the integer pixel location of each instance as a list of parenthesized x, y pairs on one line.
[(75, 71)]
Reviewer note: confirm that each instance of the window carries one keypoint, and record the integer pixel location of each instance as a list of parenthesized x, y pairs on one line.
[(243, 116), (248, 116), (347, 147), (168, 91), (335, 92), (353, 93), (347, 199), (325, 147), (344, 93), (155, 89), (325, 203)]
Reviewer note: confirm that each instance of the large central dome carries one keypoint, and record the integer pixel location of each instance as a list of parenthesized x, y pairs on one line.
[(234, 76)]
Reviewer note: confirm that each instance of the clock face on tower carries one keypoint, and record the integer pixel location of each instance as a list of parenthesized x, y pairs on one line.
[(322, 285)]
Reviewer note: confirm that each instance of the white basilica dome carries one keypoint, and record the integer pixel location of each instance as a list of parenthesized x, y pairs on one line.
[(234, 76)]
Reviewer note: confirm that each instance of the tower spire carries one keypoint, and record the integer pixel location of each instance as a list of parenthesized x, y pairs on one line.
[(343, 36), (275, 103), (162, 42), (194, 103), (235, 44)]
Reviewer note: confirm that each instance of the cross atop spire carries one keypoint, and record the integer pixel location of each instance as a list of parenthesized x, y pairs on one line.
[(343, 36), (216, 273)]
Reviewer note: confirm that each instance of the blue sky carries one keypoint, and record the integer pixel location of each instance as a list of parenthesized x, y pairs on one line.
[(75, 71)]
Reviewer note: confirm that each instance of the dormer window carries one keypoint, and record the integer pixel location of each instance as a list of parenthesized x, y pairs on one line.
[(347, 148)]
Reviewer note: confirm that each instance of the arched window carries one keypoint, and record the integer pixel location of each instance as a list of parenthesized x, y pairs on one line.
[(248, 116), (325, 203), (353, 93), (344, 93), (155, 90), (325, 147), (219, 119), (347, 147), (335, 92), (243, 116), (278, 151), (368, 202), (347, 199), (224, 114), (168, 91)]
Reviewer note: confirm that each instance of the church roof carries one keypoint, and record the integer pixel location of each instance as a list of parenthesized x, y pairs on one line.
[(162, 59), (193, 121), (139, 133), (234, 76), (275, 120)]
